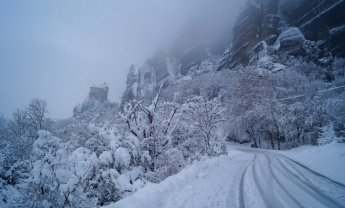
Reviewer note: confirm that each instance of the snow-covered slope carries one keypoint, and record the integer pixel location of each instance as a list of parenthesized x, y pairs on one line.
[(207, 183)]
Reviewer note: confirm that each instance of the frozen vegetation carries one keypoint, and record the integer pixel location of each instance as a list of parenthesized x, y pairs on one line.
[(166, 144), (104, 153), (235, 180)]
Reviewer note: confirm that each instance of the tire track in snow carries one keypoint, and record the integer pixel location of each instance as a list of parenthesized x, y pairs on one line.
[(308, 188), (327, 186), (280, 184), (241, 190), (293, 183), (268, 200), (340, 185)]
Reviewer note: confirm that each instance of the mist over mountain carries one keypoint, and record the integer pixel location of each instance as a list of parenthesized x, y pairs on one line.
[(81, 43)]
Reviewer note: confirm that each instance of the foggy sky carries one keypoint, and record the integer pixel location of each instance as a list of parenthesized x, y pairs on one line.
[(54, 50)]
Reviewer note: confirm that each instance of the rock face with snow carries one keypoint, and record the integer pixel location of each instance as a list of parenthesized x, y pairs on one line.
[(143, 81), (96, 101), (290, 41), (258, 21), (266, 33), (317, 20), (267, 20), (191, 52), (166, 69), (99, 92)]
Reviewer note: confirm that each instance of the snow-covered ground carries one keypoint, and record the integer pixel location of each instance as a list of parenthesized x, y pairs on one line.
[(328, 160), (207, 183), (252, 178)]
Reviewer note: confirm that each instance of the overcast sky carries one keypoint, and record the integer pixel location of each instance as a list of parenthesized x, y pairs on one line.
[(54, 50)]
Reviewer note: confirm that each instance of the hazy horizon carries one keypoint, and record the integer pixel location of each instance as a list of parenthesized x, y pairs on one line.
[(55, 50)]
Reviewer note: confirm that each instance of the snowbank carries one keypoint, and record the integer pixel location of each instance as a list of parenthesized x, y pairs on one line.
[(203, 184), (328, 160)]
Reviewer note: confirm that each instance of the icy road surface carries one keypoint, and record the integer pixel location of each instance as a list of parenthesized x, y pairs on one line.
[(243, 178)]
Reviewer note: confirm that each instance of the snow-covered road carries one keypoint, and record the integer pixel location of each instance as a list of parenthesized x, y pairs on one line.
[(243, 178), (273, 180)]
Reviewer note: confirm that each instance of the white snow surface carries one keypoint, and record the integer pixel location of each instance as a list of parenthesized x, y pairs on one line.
[(252, 178), (328, 160), (122, 157), (106, 157), (208, 183)]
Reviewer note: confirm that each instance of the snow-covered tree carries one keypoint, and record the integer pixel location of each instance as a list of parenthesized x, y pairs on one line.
[(206, 116), (327, 135), (153, 125)]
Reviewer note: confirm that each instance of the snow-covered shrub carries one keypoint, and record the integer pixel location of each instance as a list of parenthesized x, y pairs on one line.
[(169, 163), (45, 167), (106, 158), (327, 135), (152, 125), (122, 158), (46, 144)]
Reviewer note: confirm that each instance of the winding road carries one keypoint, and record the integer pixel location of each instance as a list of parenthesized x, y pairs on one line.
[(283, 182), (244, 178)]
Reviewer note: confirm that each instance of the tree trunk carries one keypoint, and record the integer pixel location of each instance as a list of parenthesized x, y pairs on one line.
[(278, 144), (271, 139)]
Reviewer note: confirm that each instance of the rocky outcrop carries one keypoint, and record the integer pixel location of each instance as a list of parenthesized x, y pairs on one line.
[(266, 33), (321, 21), (164, 68), (290, 41), (259, 21), (96, 101), (143, 81), (99, 92)]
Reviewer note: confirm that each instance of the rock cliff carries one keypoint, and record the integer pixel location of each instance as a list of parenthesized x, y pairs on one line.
[(266, 34), (99, 92), (320, 21), (96, 102)]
